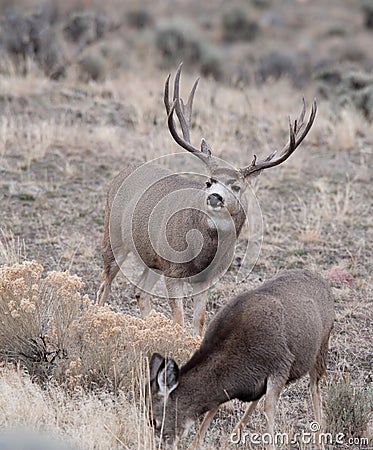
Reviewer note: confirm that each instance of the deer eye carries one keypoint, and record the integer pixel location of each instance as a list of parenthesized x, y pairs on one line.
[(236, 188), (208, 184)]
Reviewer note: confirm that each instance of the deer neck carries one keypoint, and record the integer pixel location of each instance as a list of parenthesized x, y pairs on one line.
[(226, 224)]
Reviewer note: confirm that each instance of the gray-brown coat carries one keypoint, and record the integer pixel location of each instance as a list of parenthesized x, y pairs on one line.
[(256, 344)]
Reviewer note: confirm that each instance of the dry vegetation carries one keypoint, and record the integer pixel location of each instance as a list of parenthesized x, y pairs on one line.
[(73, 370)]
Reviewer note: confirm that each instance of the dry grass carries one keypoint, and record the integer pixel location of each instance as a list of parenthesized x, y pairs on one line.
[(86, 420), (12, 248)]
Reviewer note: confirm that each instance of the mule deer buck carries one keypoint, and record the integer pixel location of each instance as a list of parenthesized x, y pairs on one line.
[(220, 201), (256, 344)]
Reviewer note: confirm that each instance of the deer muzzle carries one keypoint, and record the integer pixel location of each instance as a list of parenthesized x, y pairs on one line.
[(215, 201)]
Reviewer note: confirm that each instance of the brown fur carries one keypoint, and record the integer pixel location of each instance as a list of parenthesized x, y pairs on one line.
[(177, 228), (256, 344)]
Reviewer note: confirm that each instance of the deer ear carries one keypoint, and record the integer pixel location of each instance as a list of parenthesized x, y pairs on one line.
[(156, 361), (205, 148), (168, 377), (253, 177)]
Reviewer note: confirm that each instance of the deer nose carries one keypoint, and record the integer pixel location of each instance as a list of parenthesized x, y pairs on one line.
[(215, 200)]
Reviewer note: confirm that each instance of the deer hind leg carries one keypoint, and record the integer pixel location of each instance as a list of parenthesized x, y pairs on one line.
[(110, 271), (315, 395), (142, 291), (274, 388), (316, 373), (316, 403), (175, 298)]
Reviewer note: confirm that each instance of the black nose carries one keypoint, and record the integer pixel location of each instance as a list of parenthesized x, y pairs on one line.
[(215, 200)]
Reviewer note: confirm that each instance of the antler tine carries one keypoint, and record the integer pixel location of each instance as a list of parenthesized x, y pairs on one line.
[(184, 112), (188, 108), (298, 124), (166, 96), (294, 141), (184, 115), (309, 123), (180, 107), (182, 142)]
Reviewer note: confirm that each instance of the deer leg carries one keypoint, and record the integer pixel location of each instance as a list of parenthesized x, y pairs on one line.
[(175, 298), (274, 388), (315, 397), (203, 428), (111, 268), (249, 410), (316, 373), (142, 291), (199, 312), (316, 404), (108, 274)]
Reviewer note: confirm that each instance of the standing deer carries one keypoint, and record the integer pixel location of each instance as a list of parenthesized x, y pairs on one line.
[(218, 216), (256, 344)]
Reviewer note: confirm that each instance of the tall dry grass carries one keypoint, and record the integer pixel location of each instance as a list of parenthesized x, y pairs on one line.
[(12, 248), (86, 420)]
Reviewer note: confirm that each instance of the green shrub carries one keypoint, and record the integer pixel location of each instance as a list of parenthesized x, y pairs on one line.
[(139, 19), (238, 27), (178, 40), (92, 67), (367, 7), (349, 87), (262, 3), (211, 62)]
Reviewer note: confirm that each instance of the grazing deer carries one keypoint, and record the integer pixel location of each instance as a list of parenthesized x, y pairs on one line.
[(220, 201), (256, 344)]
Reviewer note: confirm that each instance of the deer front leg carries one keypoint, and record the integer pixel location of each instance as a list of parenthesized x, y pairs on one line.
[(200, 294), (143, 291), (249, 410), (274, 388), (175, 290), (203, 428), (199, 312)]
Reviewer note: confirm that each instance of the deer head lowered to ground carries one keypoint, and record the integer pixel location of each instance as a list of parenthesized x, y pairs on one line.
[(217, 213), (256, 344)]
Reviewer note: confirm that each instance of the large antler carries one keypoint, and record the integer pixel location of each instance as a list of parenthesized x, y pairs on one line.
[(184, 114), (296, 137)]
